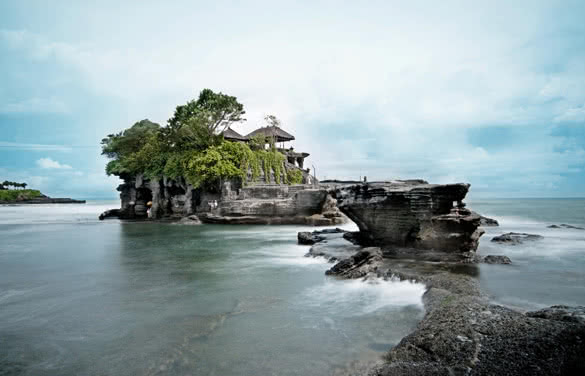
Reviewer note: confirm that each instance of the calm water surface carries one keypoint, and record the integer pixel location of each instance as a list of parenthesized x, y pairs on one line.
[(83, 297)]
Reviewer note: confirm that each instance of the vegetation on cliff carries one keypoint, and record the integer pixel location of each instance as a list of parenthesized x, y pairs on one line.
[(191, 146)]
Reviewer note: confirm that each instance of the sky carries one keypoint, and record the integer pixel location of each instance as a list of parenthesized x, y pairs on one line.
[(489, 93)]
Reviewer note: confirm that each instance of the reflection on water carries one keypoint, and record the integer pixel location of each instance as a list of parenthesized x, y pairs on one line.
[(95, 298)]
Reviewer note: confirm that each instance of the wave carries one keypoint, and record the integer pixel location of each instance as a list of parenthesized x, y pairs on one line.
[(358, 297)]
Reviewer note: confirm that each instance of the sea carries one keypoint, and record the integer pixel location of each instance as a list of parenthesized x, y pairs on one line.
[(79, 296)]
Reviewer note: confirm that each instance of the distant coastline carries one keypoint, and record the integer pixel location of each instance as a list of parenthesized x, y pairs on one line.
[(31, 196)]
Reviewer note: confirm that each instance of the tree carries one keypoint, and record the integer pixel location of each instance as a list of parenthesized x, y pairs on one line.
[(129, 141), (24, 185), (272, 121), (215, 111)]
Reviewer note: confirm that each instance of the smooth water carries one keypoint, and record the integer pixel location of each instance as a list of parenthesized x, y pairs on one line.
[(543, 272), (84, 297)]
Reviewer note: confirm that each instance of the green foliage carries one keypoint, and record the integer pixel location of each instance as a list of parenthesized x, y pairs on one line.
[(16, 195), (272, 161), (216, 111), (130, 141), (5, 184), (295, 176), (191, 147)]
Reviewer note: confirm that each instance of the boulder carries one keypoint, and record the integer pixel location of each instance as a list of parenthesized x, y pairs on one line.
[(307, 238), (564, 225), (365, 261), (488, 222), (496, 259), (112, 213), (514, 238)]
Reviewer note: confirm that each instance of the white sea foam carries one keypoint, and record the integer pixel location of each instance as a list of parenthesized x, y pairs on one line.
[(357, 297)]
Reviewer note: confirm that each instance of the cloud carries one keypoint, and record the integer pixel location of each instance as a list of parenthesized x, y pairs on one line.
[(48, 163), (34, 147), (365, 89)]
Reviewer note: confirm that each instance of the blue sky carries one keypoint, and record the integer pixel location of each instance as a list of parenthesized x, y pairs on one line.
[(453, 91)]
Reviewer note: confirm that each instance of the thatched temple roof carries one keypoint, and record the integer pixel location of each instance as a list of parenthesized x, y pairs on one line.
[(276, 132), (231, 135)]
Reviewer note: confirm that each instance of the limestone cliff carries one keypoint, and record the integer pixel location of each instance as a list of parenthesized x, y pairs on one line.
[(229, 203), (412, 215)]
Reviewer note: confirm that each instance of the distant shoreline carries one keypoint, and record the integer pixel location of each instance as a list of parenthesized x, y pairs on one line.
[(32, 196)]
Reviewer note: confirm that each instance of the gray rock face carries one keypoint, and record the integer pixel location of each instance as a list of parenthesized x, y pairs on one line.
[(412, 214), (231, 203), (514, 238)]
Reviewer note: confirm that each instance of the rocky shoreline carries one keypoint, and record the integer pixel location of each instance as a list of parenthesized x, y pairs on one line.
[(462, 332)]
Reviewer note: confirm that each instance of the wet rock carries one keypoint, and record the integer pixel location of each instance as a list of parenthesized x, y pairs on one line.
[(462, 333), (514, 238), (465, 335), (307, 238), (496, 259), (352, 237), (412, 214), (190, 220), (362, 263), (488, 222), (564, 225), (561, 313), (112, 213)]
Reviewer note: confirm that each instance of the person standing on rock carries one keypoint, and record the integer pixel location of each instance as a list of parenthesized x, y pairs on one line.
[(148, 209)]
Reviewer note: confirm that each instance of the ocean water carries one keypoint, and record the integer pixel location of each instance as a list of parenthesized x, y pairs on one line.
[(543, 272), (80, 296), (84, 297)]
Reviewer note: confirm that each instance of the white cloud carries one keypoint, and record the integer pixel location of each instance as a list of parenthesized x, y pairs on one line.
[(48, 163), (411, 79)]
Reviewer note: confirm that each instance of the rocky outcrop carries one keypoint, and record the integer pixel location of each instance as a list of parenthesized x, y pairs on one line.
[(496, 259), (230, 203), (564, 225), (462, 333), (488, 222), (515, 238), (412, 215)]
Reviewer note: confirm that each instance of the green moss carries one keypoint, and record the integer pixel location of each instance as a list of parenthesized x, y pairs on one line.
[(16, 195), (295, 176)]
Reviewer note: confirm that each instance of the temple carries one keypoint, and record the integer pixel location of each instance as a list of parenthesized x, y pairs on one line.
[(279, 135)]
